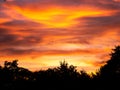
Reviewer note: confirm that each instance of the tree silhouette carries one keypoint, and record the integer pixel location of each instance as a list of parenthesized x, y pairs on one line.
[(11, 65), (67, 72), (111, 70), (9, 70), (84, 75), (65, 76)]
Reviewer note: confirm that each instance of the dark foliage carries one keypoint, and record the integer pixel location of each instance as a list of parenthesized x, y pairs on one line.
[(13, 77), (112, 68)]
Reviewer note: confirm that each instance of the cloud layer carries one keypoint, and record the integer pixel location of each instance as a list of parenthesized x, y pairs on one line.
[(45, 32)]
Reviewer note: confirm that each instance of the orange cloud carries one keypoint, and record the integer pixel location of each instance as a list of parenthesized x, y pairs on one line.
[(40, 33), (57, 16)]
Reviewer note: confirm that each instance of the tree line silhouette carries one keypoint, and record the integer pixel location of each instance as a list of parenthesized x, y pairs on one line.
[(13, 77)]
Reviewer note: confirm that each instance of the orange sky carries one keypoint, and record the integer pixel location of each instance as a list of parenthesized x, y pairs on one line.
[(41, 33)]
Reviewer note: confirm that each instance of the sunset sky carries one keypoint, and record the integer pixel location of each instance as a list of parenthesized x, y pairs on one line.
[(41, 33)]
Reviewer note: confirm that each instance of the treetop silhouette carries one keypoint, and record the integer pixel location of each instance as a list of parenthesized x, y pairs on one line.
[(111, 69), (65, 75)]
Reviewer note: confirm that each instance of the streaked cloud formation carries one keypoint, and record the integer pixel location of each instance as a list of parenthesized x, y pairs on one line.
[(41, 33)]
